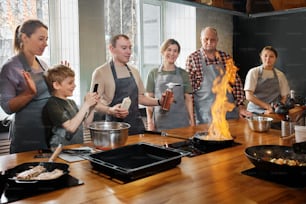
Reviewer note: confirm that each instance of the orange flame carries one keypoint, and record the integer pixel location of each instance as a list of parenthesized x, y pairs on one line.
[(219, 128)]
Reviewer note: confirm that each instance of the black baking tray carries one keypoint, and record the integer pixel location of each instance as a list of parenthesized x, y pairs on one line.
[(135, 161)]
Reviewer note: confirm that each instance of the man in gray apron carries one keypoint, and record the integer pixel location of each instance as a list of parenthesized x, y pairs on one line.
[(177, 116), (203, 66), (204, 97)]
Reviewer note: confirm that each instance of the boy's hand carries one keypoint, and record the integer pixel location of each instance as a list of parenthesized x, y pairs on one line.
[(91, 99)]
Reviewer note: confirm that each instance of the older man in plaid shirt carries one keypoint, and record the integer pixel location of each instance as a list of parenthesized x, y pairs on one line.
[(202, 66)]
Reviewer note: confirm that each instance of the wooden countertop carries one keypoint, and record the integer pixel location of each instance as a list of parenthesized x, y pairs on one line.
[(294, 113), (209, 178)]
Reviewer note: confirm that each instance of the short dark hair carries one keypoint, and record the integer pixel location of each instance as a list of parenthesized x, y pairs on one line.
[(169, 42), (28, 28), (58, 73), (114, 39)]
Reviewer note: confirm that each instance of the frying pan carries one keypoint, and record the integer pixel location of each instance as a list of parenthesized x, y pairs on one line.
[(199, 141), (50, 166), (299, 147), (203, 144), (261, 155)]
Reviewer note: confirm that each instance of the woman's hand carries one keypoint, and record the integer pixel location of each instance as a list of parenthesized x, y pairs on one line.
[(30, 83)]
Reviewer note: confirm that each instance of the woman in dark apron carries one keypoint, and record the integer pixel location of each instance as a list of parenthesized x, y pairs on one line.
[(23, 89)]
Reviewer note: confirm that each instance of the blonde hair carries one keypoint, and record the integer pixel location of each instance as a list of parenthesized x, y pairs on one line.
[(58, 74), (169, 42)]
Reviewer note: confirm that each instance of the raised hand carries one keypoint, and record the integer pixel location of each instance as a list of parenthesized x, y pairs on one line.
[(30, 83)]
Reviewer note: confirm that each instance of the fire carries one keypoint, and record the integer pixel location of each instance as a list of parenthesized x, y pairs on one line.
[(219, 128)]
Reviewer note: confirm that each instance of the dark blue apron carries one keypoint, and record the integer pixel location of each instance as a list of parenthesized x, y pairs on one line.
[(27, 129), (127, 87)]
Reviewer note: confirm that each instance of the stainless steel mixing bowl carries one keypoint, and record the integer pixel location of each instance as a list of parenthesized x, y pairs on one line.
[(108, 135), (260, 123)]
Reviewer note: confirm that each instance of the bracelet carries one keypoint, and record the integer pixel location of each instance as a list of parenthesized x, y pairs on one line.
[(158, 102)]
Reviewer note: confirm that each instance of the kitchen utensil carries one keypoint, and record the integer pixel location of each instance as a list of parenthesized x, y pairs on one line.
[(135, 161), (56, 152), (259, 123), (287, 128), (261, 156), (200, 141), (300, 133), (299, 147), (108, 135)]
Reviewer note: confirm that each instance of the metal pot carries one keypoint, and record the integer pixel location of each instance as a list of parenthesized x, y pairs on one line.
[(108, 135), (260, 123)]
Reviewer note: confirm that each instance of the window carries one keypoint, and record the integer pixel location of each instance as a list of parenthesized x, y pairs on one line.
[(62, 19), (13, 13), (158, 21)]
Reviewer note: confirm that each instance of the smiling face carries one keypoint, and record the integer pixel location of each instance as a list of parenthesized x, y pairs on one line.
[(268, 58), (36, 43), (65, 88), (121, 51), (171, 54)]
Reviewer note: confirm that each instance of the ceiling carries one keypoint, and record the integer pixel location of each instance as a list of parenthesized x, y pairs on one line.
[(256, 7)]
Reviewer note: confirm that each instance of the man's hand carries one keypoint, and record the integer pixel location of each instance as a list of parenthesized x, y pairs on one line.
[(117, 111), (244, 113)]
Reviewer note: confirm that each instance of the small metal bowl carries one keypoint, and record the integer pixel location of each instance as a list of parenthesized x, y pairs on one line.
[(108, 135), (260, 123)]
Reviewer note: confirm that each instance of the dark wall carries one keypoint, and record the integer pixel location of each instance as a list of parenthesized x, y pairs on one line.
[(286, 33)]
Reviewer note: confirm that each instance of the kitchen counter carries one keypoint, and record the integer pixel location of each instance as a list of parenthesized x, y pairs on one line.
[(209, 178), (294, 113)]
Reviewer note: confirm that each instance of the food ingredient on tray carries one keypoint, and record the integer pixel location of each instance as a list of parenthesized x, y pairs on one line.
[(39, 173), (289, 162), (28, 174)]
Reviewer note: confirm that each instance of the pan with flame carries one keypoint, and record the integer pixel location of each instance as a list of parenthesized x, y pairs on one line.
[(218, 132)]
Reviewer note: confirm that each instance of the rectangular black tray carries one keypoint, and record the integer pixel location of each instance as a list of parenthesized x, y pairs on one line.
[(135, 161)]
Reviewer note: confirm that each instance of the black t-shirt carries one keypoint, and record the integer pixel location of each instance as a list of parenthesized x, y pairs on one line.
[(59, 111)]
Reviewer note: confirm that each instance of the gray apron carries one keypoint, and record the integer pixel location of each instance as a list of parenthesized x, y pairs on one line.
[(204, 97), (27, 129), (177, 116), (270, 94), (127, 87)]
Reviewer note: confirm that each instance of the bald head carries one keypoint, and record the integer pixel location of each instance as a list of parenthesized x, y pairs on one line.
[(209, 39)]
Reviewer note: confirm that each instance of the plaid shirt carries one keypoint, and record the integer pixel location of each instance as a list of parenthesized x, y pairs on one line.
[(194, 68)]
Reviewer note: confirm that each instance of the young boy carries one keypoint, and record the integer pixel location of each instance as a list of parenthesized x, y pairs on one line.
[(64, 116)]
